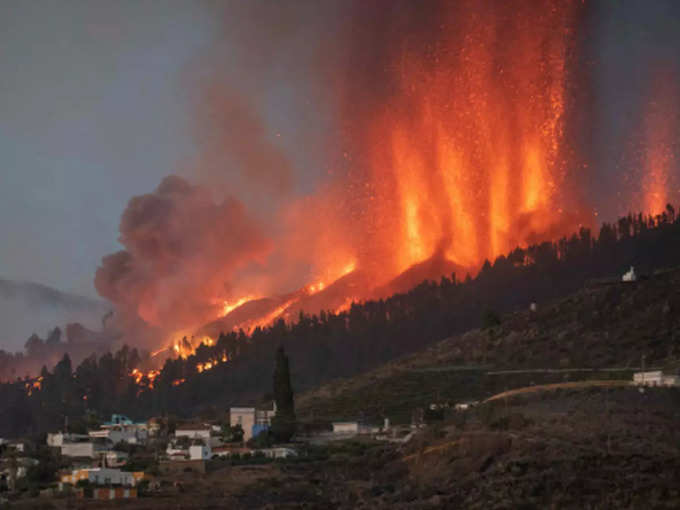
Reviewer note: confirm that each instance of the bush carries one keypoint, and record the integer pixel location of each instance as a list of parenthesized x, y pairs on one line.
[(490, 319)]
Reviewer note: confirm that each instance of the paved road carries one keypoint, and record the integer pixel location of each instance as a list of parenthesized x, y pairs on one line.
[(557, 386)]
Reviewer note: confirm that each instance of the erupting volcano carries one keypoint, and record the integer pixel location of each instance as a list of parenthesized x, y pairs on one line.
[(461, 138), (451, 147)]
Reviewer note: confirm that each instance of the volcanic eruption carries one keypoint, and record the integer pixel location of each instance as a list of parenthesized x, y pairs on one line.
[(450, 147)]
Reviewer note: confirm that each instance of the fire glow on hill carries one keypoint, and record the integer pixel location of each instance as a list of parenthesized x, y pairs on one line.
[(455, 149)]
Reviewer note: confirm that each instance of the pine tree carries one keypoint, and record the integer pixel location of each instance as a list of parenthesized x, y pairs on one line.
[(283, 424)]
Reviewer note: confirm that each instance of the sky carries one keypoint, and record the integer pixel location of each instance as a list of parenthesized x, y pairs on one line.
[(98, 102), (92, 111)]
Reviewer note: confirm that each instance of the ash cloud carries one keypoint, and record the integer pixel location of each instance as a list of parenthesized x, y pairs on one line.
[(182, 250)]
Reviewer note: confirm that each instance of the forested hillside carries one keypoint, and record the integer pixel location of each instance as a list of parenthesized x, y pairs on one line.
[(328, 346)]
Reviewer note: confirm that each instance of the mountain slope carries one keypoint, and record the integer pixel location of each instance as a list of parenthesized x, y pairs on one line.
[(607, 325)]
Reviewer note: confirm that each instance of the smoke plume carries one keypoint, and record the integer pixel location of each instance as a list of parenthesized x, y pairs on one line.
[(182, 252)]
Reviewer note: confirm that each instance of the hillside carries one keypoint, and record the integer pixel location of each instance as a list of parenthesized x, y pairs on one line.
[(601, 332), (603, 325)]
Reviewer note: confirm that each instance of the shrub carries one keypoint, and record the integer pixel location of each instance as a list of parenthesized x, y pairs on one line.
[(490, 319)]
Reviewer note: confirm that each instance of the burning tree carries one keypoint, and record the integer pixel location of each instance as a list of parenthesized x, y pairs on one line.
[(283, 424)]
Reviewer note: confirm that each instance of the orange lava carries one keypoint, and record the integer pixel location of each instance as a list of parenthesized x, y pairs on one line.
[(465, 155), (229, 306)]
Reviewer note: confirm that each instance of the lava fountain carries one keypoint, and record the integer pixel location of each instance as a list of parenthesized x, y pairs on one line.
[(462, 141), (452, 150)]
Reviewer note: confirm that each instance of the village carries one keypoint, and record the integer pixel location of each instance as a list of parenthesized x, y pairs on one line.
[(124, 459)]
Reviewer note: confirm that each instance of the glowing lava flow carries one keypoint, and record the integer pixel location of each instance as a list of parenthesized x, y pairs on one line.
[(230, 306), (346, 305)]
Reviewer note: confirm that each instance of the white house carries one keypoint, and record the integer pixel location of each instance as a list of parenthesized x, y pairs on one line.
[(464, 406), (132, 434), (103, 476), (629, 276), (175, 451), (252, 420), (90, 449), (345, 427), (57, 439), (200, 452), (264, 414), (194, 431), (655, 378), (245, 417), (122, 428), (351, 428), (278, 453)]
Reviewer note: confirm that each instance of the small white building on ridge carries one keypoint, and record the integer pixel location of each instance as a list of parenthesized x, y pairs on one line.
[(655, 378)]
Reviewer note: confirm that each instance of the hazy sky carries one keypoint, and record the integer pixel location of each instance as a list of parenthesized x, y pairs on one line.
[(98, 103), (92, 112)]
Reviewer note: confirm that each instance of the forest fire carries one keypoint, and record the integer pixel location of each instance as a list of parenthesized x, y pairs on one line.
[(33, 385), (144, 378)]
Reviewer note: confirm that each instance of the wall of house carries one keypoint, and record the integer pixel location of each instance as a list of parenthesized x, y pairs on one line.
[(78, 450), (244, 416), (194, 434), (345, 428)]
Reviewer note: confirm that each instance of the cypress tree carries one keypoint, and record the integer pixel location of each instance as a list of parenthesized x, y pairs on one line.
[(283, 424)]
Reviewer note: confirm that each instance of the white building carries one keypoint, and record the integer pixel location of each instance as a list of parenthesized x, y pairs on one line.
[(132, 434), (200, 452), (252, 420), (629, 276), (655, 378), (353, 428), (82, 449), (464, 406), (245, 417), (103, 476), (59, 438), (278, 453), (194, 431), (176, 452), (345, 427)]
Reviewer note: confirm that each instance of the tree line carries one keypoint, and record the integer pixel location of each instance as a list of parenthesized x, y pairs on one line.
[(328, 345)]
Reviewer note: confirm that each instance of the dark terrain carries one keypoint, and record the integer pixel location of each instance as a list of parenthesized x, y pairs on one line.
[(566, 449), (600, 332), (589, 447)]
